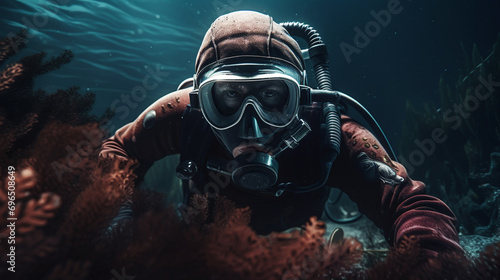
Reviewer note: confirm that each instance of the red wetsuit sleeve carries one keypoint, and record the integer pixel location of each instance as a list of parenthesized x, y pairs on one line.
[(398, 208), (159, 138)]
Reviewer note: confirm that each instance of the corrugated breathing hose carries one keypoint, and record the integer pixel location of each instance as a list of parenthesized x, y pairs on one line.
[(319, 56)]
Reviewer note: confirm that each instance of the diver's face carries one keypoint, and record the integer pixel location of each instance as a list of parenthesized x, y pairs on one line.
[(251, 134)]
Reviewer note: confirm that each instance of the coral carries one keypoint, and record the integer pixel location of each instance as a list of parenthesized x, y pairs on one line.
[(228, 248), (94, 207), (11, 45), (160, 244), (38, 133), (487, 264), (77, 270), (25, 112), (9, 76), (35, 212), (395, 266)]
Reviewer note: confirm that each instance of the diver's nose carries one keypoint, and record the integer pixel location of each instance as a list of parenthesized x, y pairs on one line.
[(250, 129)]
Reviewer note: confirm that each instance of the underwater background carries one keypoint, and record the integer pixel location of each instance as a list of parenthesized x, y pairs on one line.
[(411, 71)]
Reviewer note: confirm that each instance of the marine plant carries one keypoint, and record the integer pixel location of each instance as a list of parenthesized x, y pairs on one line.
[(454, 148)]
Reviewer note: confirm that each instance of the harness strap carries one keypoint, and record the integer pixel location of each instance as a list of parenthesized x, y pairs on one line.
[(196, 139)]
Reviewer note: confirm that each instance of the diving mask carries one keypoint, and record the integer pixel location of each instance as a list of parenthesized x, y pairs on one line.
[(228, 88)]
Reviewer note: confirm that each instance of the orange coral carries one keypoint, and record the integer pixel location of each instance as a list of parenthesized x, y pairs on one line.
[(11, 45), (75, 270), (228, 248), (94, 207), (9, 76), (35, 212)]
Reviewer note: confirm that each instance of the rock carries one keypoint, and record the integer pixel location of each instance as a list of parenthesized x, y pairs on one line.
[(474, 244)]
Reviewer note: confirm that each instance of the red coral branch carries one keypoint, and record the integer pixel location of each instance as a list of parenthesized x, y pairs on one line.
[(71, 269), (10, 75), (11, 45), (37, 212), (98, 203)]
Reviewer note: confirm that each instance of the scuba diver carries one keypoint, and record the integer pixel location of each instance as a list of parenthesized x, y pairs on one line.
[(247, 126)]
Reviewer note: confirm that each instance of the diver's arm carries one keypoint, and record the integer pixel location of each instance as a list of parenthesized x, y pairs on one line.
[(400, 208), (152, 140)]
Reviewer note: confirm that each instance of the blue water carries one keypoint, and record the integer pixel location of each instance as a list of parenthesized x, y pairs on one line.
[(117, 44)]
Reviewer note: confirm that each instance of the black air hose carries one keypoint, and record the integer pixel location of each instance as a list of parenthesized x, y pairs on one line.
[(319, 56), (323, 96), (317, 49)]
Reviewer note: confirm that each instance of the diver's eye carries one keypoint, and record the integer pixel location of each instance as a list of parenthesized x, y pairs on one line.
[(269, 94), (230, 94), (273, 98), (227, 98), (231, 99)]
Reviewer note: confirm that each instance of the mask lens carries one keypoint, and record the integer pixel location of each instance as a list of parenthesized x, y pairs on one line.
[(274, 96), (226, 90), (271, 96)]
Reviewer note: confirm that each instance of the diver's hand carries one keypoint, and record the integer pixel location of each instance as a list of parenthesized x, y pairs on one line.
[(374, 170)]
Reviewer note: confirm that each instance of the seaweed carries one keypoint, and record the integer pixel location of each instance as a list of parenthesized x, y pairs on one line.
[(452, 147)]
